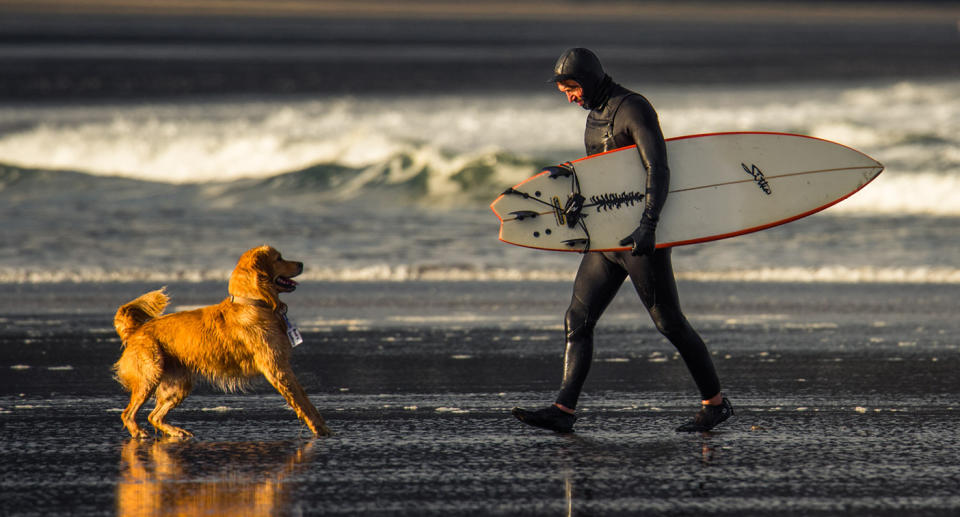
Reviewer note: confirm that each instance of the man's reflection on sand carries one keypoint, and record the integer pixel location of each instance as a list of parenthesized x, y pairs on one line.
[(577, 459), (212, 478), (708, 453), (568, 492), (570, 461)]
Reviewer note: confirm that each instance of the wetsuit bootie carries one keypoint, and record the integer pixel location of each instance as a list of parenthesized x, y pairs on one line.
[(708, 417), (551, 418)]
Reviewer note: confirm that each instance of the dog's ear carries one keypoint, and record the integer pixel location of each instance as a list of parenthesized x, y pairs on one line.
[(243, 277), (253, 276), (264, 282)]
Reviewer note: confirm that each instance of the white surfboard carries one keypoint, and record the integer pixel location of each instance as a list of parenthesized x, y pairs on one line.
[(721, 185)]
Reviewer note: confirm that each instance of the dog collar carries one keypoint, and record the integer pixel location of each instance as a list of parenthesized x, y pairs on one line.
[(242, 300)]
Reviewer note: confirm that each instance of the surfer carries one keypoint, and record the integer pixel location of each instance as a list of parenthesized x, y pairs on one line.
[(619, 118)]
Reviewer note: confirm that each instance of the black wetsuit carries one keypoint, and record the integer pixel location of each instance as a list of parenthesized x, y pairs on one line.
[(619, 118)]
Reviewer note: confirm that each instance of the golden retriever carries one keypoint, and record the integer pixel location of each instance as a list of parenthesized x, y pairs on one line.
[(228, 343)]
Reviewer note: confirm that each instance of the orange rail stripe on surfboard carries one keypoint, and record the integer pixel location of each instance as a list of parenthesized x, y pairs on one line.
[(873, 166)]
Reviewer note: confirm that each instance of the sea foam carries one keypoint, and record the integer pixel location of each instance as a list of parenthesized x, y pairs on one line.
[(911, 128)]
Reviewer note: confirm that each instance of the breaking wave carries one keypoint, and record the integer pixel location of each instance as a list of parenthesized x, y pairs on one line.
[(472, 147)]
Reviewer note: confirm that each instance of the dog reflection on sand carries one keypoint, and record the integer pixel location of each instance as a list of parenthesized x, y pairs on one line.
[(204, 478)]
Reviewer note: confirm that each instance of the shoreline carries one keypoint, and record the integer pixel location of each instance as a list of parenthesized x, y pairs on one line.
[(502, 305), (823, 275)]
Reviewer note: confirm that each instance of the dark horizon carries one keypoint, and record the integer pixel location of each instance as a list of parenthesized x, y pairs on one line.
[(81, 52)]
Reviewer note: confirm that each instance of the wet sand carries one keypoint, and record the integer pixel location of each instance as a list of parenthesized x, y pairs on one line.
[(845, 394)]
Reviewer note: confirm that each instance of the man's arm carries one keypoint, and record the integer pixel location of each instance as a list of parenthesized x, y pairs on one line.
[(642, 124)]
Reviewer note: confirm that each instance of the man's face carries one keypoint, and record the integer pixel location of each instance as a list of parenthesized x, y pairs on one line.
[(572, 90)]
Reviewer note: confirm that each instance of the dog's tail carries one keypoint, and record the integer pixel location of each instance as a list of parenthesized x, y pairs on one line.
[(137, 312)]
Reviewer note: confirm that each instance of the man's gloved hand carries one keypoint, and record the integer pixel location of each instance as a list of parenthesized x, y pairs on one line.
[(643, 239)]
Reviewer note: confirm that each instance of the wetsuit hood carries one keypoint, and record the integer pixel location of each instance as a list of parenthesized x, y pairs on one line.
[(583, 66)]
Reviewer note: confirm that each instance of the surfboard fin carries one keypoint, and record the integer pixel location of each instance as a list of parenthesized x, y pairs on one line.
[(574, 243), (514, 192), (559, 171), (524, 214)]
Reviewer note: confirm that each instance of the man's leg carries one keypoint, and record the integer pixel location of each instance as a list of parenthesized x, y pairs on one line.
[(595, 286), (653, 278)]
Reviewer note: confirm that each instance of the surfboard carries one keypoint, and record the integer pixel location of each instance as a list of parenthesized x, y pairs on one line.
[(721, 185)]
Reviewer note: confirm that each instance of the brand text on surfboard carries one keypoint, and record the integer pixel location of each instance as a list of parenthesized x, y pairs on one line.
[(758, 176)]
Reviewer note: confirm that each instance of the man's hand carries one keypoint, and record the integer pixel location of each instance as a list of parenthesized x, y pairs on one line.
[(643, 239)]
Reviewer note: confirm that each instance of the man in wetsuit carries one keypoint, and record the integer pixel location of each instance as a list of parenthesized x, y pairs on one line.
[(619, 118)]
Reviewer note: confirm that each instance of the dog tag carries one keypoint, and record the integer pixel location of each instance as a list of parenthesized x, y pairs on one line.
[(293, 333)]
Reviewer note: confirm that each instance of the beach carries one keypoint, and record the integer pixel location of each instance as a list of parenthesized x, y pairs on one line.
[(844, 397)]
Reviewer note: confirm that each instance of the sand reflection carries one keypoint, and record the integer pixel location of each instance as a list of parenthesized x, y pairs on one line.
[(212, 478)]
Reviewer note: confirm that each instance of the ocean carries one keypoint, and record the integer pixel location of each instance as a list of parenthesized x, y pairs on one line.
[(127, 180), (150, 146)]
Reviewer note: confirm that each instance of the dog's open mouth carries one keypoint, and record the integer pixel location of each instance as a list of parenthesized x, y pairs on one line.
[(285, 284)]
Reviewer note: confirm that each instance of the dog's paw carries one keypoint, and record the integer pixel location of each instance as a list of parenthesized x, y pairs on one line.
[(139, 434), (178, 434)]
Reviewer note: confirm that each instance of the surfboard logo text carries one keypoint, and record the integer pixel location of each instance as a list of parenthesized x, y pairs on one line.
[(614, 201), (758, 176)]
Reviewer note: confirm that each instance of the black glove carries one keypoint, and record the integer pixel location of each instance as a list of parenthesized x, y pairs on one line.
[(643, 239)]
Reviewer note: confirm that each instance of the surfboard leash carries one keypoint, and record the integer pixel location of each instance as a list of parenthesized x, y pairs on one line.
[(573, 210), (569, 214)]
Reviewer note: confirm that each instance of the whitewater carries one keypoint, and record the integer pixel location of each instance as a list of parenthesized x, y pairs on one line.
[(374, 187)]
